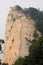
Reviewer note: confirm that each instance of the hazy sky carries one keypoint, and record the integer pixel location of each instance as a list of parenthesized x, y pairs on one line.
[(6, 4)]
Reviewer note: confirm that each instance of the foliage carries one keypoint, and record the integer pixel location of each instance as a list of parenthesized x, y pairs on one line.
[(36, 52), (1, 41), (37, 16), (20, 61), (0, 47)]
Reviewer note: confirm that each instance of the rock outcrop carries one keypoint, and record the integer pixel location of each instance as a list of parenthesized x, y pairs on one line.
[(18, 34)]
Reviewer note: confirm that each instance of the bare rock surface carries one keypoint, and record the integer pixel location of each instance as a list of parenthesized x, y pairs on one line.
[(18, 35)]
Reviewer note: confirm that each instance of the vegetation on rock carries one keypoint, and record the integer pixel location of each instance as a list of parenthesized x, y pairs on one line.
[(37, 16), (36, 54)]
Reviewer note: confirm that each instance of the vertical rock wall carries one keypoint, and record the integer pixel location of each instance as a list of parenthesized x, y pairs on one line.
[(18, 35)]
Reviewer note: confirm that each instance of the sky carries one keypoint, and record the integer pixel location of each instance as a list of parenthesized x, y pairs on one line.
[(5, 6)]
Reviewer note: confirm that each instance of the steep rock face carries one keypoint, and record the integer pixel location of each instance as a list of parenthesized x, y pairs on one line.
[(18, 35)]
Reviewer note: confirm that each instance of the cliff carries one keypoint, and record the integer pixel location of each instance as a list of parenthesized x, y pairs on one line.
[(19, 34)]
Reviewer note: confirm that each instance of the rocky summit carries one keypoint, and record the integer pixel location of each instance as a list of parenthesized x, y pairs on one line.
[(19, 34)]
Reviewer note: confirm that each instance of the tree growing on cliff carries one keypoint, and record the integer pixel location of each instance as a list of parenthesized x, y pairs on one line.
[(36, 53), (20, 61)]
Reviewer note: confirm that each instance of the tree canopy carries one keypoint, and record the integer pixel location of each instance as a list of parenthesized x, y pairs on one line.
[(37, 16)]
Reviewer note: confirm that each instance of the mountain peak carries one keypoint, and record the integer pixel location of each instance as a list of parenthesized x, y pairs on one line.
[(17, 8)]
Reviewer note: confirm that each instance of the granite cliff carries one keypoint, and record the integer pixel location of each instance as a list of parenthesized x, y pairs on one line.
[(19, 34)]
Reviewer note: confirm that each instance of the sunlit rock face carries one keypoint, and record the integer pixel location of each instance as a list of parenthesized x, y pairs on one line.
[(18, 35)]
